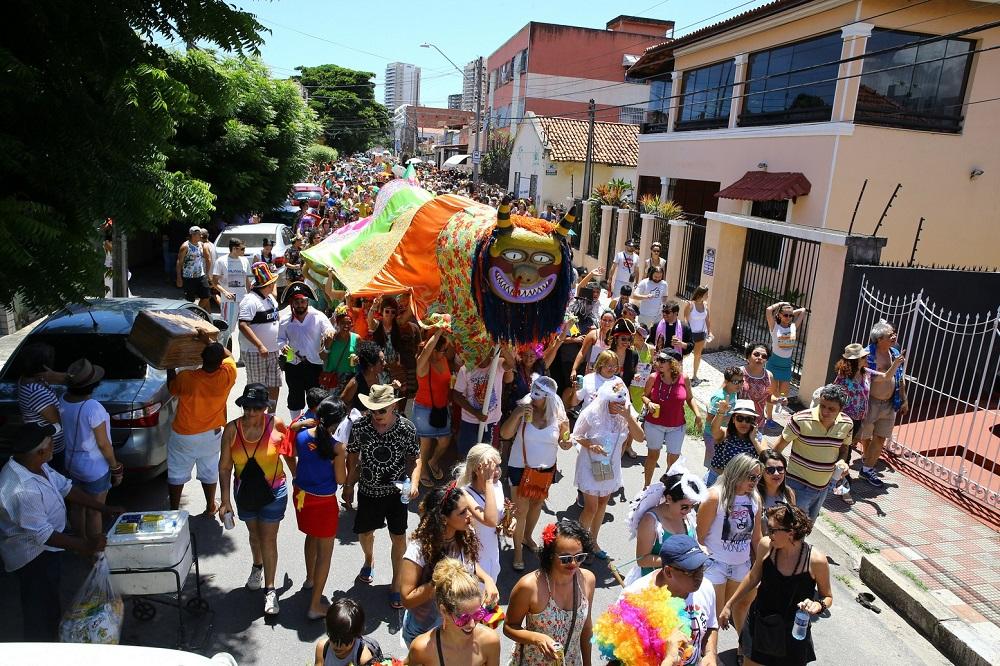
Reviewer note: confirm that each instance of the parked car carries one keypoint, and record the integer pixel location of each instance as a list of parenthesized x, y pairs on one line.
[(305, 192), (281, 215), (134, 393), (253, 236)]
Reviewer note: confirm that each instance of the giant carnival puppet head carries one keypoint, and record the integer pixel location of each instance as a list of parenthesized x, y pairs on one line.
[(522, 276)]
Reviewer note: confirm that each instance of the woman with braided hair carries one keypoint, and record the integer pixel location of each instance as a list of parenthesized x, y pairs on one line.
[(445, 530)]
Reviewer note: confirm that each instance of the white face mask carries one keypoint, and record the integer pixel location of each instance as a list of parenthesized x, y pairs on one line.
[(538, 394)]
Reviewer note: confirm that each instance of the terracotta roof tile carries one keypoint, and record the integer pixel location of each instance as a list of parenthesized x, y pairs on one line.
[(767, 186), (614, 143)]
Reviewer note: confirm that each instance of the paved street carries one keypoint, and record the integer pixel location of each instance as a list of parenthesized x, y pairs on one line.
[(237, 624)]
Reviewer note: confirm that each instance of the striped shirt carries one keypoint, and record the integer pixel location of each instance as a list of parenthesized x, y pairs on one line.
[(815, 448), (32, 398), (32, 508)]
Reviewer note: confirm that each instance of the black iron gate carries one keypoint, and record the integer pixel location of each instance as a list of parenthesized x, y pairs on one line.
[(594, 240), (775, 268), (691, 255)]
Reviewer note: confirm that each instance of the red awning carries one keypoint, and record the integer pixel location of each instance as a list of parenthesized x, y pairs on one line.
[(767, 186)]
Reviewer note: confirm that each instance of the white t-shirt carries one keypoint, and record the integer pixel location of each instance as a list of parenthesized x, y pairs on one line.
[(729, 537), (699, 606), (472, 384), (651, 307), (262, 315), (489, 542), (542, 446), (625, 263), (783, 340), (234, 272), (84, 461)]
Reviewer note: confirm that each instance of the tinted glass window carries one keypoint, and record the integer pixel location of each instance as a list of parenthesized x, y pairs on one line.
[(659, 100), (107, 351), (779, 91), (707, 96), (917, 87)]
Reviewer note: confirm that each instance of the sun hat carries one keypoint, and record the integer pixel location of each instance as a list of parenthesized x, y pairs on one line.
[(379, 396), (254, 395), (82, 372), (745, 407), (28, 437), (855, 350), (262, 275)]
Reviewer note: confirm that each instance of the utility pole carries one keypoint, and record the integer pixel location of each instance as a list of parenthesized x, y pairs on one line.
[(479, 112), (589, 164), (119, 262)]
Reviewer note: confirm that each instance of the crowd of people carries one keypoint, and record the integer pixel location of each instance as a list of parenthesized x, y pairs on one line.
[(383, 410)]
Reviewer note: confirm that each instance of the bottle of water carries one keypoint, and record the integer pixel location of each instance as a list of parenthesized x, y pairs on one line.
[(404, 491), (801, 625)]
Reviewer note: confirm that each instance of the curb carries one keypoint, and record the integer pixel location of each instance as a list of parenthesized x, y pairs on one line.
[(946, 630), (943, 627)]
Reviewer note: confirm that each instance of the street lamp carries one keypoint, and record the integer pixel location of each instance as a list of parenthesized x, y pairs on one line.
[(479, 93)]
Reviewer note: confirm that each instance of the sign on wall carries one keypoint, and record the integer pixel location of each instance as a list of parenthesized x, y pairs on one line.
[(550, 170), (709, 266)]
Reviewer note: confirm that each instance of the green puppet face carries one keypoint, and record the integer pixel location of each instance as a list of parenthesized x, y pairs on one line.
[(524, 266)]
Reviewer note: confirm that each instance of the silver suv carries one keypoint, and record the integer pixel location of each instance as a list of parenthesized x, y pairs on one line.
[(134, 393)]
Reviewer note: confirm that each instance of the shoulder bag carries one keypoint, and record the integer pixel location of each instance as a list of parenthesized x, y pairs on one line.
[(534, 482)]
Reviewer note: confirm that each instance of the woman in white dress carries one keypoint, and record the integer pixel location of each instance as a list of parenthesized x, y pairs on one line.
[(538, 427), (600, 433)]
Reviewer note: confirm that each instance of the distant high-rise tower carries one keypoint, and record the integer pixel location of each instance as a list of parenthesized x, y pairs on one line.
[(402, 84), (469, 87), (455, 101)]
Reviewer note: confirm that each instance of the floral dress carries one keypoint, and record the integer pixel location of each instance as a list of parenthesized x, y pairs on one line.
[(857, 393), (554, 622)]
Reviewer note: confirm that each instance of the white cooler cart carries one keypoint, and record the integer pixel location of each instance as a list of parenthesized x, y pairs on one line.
[(150, 553)]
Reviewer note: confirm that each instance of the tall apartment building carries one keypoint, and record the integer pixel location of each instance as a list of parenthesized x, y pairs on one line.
[(402, 84), (455, 101), (554, 70), (469, 87)]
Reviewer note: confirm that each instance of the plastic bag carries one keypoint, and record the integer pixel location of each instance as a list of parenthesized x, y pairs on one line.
[(96, 613)]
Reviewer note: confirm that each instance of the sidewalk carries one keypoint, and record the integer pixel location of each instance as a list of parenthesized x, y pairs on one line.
[(935, 563)]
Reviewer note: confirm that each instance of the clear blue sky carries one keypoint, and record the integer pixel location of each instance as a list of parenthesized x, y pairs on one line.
[(367, 35)]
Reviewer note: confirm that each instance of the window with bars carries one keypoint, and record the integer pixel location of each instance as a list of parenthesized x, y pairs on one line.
[(632, 115), (706, 96), (917, 87)]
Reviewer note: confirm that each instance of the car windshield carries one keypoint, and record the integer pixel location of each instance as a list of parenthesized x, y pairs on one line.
[(250, 240), (107, 351)]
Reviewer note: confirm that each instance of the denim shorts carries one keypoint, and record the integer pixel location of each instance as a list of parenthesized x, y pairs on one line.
[(658, 435), (95, 487), (422, 421), (780, 367), (269, 513), (718, 572)]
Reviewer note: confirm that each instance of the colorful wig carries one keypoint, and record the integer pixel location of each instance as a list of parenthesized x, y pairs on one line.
[(645, 628)]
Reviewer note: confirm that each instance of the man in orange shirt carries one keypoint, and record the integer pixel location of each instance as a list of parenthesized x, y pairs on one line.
[(196, 435)]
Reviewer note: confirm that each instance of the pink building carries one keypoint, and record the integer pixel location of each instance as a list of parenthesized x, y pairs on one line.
[(554, 70)]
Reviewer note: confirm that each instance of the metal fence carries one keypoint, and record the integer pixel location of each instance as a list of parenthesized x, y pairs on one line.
[(612, 249), (634, 226), (775, 268), (951, 433), (594, 242), (691, 255)]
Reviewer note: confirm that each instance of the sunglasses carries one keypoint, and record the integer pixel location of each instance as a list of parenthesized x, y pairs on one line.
[(380, 412), (465, 618), (774, 470), (777, 529), (785, 314), (388, 311), (691, 572), (684, 508), (754, 478), (744, 419), (759, 354), (578, 558)]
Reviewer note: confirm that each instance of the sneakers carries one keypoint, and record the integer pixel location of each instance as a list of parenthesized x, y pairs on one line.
[(271, 602), (256, 579), (871, 476)]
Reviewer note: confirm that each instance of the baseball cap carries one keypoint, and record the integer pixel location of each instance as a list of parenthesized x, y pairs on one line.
[(682, 552), (194, 230)]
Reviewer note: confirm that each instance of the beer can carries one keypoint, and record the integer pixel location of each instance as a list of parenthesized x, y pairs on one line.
[(560, 653), (228, 521)]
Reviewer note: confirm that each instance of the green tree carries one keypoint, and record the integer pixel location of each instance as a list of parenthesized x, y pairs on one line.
[(244, 133), (86, 118), (344, 100), (320, 154), (495, 167)]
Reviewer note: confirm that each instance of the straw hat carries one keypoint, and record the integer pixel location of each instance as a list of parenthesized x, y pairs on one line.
[(379, 396), (745, 407), (82, 372)]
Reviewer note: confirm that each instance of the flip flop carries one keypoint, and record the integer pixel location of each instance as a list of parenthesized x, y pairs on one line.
[(426, 483), (365, 576), (436, 475), (866, 599), (531, 545), (395, 600)]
